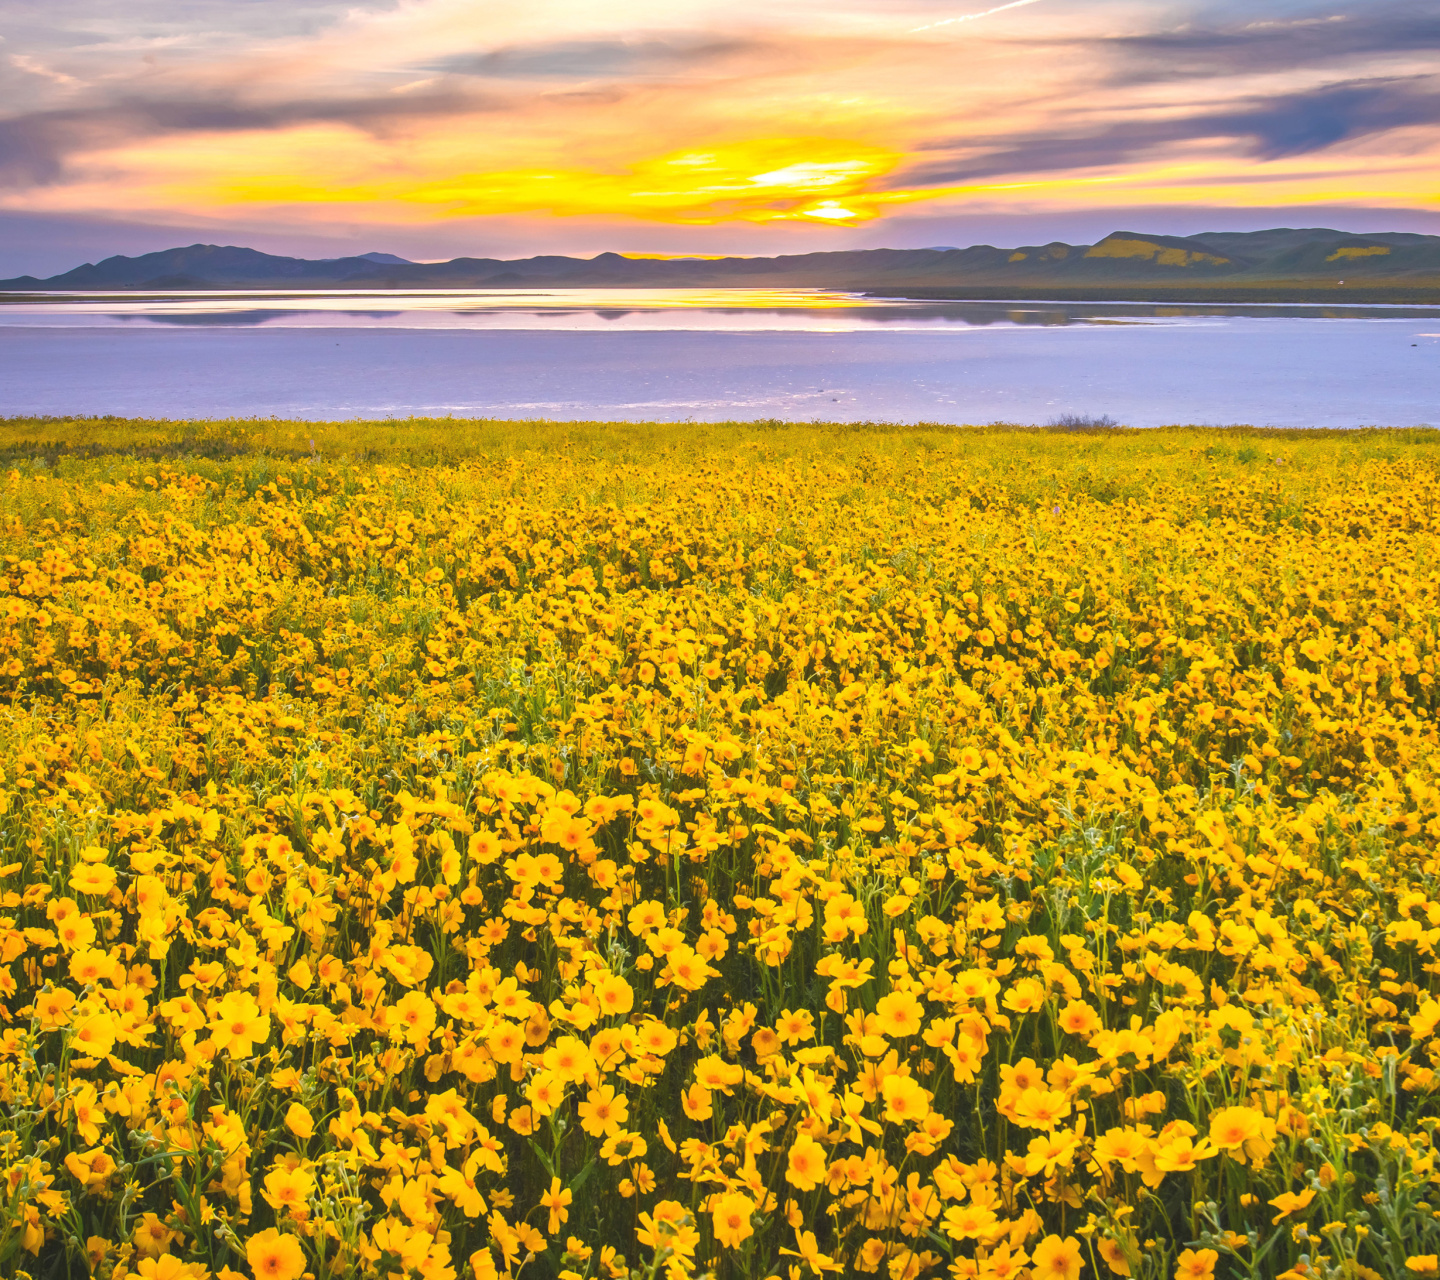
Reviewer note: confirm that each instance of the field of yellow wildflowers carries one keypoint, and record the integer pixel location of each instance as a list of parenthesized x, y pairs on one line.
[(453, 850)]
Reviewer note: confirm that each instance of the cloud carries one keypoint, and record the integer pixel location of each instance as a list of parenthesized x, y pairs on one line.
[(1305, 122), (410, 112), (35, 148), (37, 68), (1273, 129), (595, 59), (101, 25), (1274, 46)]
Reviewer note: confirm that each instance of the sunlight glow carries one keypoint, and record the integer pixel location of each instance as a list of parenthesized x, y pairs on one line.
[(761, 180)]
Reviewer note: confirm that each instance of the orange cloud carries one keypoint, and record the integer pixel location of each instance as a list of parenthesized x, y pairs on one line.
[(824, 180)]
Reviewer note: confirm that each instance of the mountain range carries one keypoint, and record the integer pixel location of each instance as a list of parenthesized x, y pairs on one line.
[(1274, 265)]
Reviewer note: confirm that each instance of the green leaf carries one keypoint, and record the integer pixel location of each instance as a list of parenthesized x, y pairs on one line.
[(542, 1157), (943, 1241), (582, 1177)]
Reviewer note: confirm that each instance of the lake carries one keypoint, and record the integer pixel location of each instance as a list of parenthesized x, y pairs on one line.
[(713, 355)]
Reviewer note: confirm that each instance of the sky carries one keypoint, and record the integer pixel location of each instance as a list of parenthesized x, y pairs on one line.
[(503, 128)]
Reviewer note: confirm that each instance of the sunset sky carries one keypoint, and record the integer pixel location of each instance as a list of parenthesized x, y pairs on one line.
[(432, 128)]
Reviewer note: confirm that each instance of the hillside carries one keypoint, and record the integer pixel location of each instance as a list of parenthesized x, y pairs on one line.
[(1311, 263)]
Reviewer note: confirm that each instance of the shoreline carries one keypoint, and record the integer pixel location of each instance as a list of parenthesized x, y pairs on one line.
[(1279, 293)]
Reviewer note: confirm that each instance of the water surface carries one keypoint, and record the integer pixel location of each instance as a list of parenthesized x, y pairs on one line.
[(713, 354)]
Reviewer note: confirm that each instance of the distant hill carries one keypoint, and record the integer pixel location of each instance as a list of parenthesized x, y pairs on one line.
[(209, 266), (1258, 265)]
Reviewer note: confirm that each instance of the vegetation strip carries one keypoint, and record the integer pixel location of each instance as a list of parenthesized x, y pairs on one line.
[(601, 850)]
